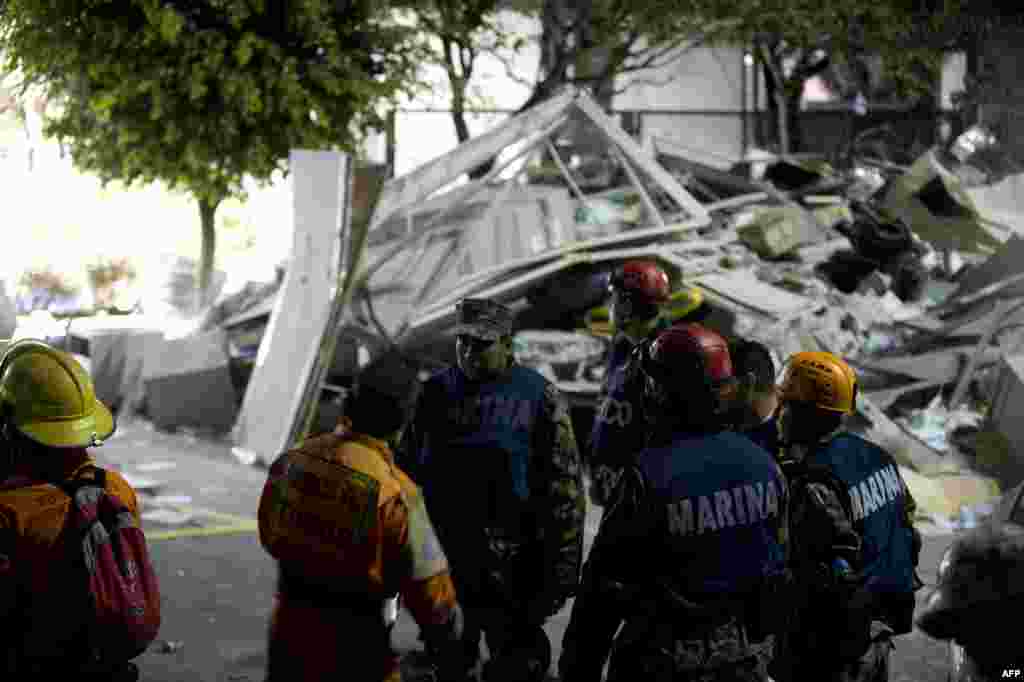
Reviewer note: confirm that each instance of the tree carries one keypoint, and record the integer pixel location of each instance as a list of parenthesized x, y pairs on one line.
[(794, 41), (200, 94), (457, 32), (592, 43)]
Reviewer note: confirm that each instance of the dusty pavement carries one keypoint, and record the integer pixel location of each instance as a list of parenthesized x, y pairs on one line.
[(217, 583)]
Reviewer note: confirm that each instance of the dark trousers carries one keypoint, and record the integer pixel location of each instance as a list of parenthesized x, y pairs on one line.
[(519, 650), (871, 666)]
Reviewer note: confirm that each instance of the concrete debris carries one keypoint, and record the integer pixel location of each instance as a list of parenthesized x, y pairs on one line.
[(888, 266), (563, 356)]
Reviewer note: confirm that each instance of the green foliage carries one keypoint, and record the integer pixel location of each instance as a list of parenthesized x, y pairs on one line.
[(908, 40), (199, 94)]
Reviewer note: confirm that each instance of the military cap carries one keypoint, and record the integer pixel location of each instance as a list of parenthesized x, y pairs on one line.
[(483, 318)]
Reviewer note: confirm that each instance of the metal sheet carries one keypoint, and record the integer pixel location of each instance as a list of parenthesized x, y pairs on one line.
[(743, 287), (289, 350)]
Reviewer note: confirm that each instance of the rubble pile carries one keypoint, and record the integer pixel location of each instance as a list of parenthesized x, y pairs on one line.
[(891, 267)]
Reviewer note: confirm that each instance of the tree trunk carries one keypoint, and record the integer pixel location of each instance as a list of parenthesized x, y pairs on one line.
[(207, 218), (794, 95), (776, 96)]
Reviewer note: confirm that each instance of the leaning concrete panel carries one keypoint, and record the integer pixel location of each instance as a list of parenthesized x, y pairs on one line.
[(291, 342), (188, 384)]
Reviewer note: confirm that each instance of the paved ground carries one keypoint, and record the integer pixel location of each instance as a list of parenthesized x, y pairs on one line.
[(217, 583)]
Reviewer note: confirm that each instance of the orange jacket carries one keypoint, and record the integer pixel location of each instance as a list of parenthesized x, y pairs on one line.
[(33, 606), (350, 527)]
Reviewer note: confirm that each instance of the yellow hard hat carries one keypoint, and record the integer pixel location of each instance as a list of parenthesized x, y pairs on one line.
[(49, 397), (822, 379)]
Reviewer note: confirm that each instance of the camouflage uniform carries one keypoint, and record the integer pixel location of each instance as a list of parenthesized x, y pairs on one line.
[(501, 473), (653, 644), (838, 632)]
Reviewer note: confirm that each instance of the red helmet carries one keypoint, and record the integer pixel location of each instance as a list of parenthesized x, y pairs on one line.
[(643, 280), (692, 348), (688, 374)]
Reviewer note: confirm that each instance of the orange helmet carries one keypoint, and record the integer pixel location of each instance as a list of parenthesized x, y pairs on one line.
[(822, 379)]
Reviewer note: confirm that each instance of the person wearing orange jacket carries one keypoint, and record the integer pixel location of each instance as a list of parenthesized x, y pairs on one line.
[(49, 415), (350, 532)]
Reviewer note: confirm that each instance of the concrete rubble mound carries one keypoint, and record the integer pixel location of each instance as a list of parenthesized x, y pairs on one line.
[(894, 268)]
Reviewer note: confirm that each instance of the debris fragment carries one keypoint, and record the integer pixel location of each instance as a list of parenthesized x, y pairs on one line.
[(169, 647)]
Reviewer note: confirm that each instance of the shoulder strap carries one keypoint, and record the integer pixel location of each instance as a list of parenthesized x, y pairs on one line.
[(72, 486), (800, 474)]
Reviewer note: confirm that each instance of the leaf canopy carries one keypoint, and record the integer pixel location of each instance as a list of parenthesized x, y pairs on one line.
[(201, 93)]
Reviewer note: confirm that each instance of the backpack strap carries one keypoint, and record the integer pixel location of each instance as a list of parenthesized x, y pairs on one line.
[(71, 487), (800, 474)]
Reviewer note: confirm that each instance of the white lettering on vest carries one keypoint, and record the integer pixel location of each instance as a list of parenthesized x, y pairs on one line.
[(722, 509), (857, 503), (706, 515), (875, 491), (739, 507), (723, 505), (755, 502), (680, 517), (771, 500)]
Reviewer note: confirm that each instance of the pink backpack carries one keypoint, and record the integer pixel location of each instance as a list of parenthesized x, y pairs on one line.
[(108, 551)]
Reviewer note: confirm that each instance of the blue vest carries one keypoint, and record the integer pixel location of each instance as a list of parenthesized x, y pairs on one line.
[(619, 427), (766, 434), (479, 436), (723, 499), (876, 492)]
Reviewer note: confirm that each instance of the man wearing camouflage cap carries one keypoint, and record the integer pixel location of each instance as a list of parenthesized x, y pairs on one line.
[(493, 447)]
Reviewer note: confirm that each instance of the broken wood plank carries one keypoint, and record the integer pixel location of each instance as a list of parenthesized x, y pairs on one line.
[(885, 397), (1002, 308), (745, 288), (942, 366)]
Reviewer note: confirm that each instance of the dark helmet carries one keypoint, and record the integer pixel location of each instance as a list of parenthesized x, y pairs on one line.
[(643, 281), (687, 366)]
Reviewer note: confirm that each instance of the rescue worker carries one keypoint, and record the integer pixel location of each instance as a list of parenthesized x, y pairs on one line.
[(49, 416), (977, 593), (350, 530), (638, 288), (854, 547), (756, 414), (493, 448), (691, 552)]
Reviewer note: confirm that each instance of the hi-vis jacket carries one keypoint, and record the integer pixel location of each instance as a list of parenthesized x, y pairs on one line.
[(349, 530), (34, 594)]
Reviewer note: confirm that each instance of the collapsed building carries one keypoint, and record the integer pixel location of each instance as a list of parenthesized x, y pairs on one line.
[(893, 268)]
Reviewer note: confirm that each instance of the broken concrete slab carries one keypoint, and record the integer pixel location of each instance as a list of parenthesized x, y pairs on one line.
[(745, 290), (940, 366), (1006, 413), (1008, 260), (886, 397), (189, 384), (933, 201), (774, 231)]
